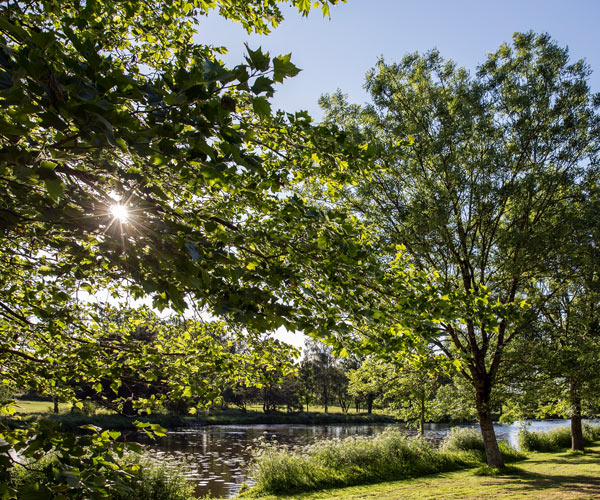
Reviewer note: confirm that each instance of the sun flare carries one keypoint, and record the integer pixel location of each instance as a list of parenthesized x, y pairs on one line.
[(119, 212)]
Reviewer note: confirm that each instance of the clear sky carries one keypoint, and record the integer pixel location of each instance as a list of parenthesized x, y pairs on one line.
[(337, 52)]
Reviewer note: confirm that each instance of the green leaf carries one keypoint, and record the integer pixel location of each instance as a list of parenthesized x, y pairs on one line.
[(55, 188), (257, 59), (283, 68), (158, 430), (263, 84), (261, 106)]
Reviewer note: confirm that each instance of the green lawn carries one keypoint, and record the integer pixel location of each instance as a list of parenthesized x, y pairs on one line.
[(39, 407), (542, 476), (24, 407)]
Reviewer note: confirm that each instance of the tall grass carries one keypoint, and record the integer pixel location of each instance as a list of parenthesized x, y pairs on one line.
[(470, 439), (463, 439), (151, 481), (357, 460), (592, 432), (556, 439)]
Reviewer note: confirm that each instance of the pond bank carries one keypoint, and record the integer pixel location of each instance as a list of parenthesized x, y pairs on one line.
[(541, 476), (71, 421)]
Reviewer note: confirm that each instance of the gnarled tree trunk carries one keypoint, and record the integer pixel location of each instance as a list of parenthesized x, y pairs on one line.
[(482, 400)]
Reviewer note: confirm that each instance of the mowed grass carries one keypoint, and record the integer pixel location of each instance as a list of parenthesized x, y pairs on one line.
[(554, 476), (23, 407)]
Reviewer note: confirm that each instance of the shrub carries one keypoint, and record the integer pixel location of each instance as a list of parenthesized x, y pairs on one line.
[(356, 460)]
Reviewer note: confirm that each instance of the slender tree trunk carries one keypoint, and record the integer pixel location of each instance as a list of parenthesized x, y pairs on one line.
[(343, 405), (55, 401), (265, 402), (422, 416), (482, 400), (369, 404), (577, 443), (357, 405)]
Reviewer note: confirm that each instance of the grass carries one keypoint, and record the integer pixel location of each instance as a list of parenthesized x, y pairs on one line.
[(542, 476), (390, 455), (25, 407)]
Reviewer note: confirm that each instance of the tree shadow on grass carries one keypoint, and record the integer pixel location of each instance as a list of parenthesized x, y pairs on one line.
[(589, 457), (521, 480)]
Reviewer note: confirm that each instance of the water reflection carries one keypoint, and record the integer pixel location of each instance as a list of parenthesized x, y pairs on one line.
[(217, 457)]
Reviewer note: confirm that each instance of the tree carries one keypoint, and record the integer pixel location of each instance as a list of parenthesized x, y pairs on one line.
[(564, 360), (130, 165), (468, 175), (369, 381), (326, 373), (323, 366), (415, 387), (306, 381)]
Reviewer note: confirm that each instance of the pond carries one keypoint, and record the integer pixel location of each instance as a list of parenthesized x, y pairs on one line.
[(216, 458)]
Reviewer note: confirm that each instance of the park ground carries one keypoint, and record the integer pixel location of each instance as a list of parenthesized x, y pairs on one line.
[(542, 476)]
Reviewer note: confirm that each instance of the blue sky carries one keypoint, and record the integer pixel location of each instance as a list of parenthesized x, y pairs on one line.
[(337, 52)]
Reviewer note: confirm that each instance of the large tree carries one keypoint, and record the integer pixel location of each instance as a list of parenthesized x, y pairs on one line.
[(468, 177)]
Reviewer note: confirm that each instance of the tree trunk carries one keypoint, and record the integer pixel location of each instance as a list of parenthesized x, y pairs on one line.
[(128, 409), (422, 416), (492, 452), (265, 400), (55, 401), (357, 405), (369, 404), (577, 443)]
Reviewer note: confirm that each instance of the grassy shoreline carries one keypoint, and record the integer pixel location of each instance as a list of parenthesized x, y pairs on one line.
[(558, 476), (71, 421)]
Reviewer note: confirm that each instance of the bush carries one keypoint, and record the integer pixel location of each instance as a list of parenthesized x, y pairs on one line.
[(356, 460)]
